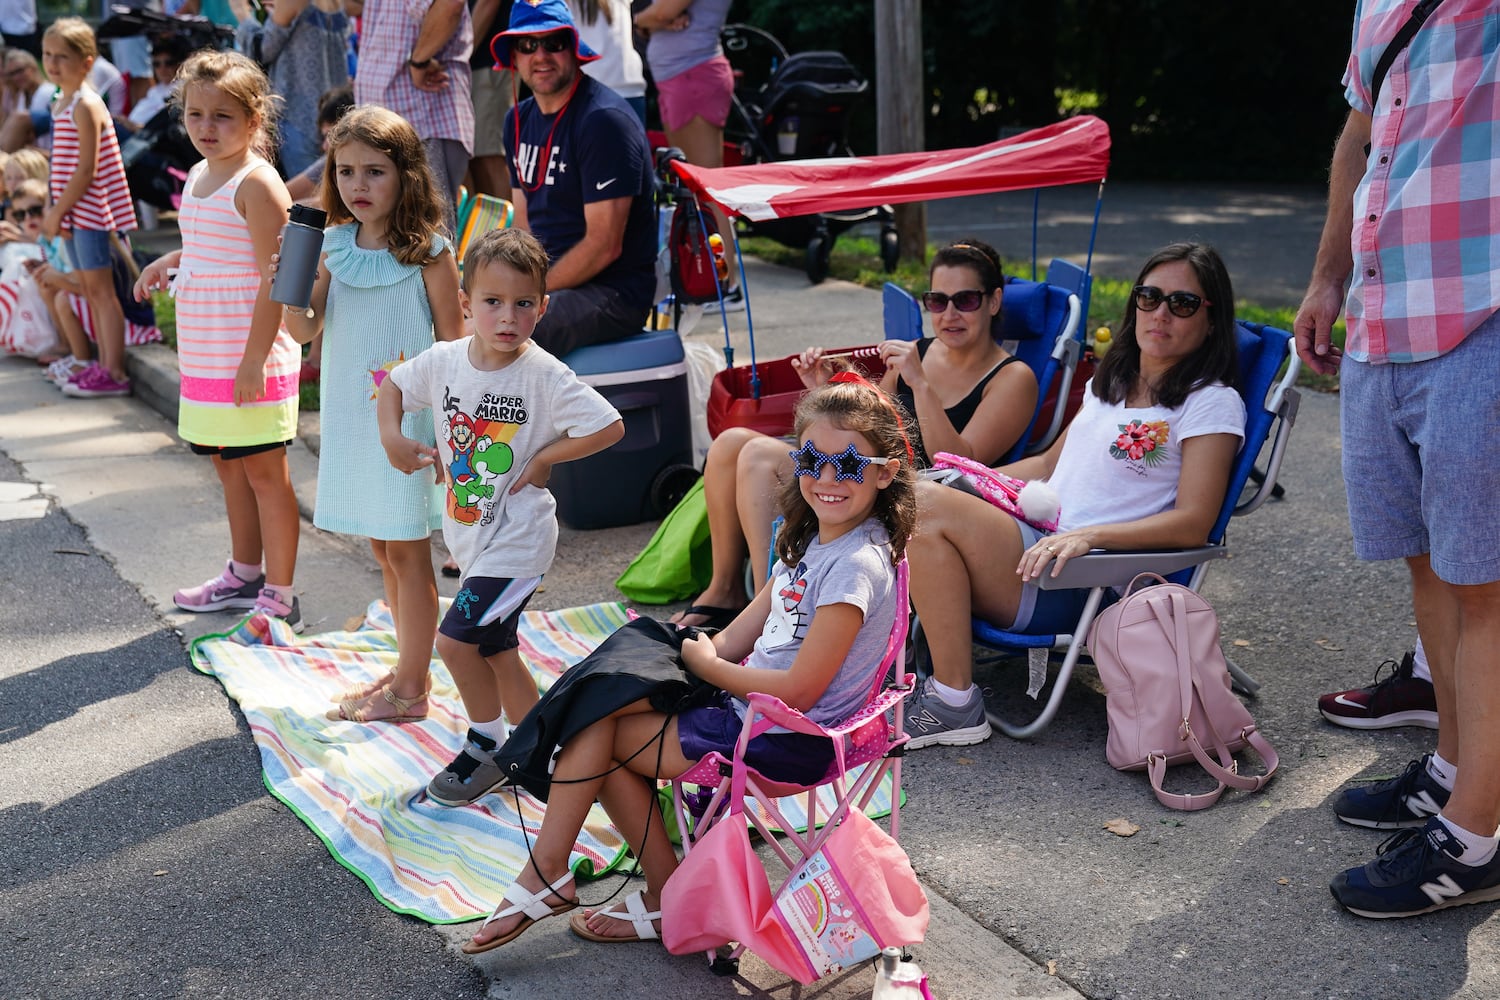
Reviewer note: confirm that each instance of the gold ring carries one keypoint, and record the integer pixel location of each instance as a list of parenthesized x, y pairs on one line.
[(1051, 549)]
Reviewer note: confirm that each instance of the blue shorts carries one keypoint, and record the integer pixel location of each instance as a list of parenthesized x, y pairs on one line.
[(790, 757), (1422, 458), (1045, 612), (487, 611), (89, 249)]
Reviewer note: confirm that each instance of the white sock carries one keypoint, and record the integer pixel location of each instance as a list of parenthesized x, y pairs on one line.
[(1419, 667), (495, 729), (1478, 849), (953, 697), (1443, 772)]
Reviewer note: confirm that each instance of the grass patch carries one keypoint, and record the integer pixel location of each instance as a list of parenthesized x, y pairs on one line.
[(166, 321), (857, 259)]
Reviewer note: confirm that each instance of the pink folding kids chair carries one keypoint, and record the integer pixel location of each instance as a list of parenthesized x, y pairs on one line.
[(722, 894)]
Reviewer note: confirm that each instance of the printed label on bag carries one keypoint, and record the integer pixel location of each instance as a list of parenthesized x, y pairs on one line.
[(817, 913)]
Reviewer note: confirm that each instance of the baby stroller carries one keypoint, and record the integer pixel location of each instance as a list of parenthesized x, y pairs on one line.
[(799, 110)]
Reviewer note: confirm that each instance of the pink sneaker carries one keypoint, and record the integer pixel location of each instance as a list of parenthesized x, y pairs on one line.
[(95, 382), (223, 593), (270, 605)]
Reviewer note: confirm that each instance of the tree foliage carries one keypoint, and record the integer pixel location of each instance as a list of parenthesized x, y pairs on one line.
[(1191, 90)]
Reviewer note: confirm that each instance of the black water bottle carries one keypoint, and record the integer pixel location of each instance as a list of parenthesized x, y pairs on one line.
[(301, 246)]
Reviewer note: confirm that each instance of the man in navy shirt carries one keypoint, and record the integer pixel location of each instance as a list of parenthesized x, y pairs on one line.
[(581, 181)]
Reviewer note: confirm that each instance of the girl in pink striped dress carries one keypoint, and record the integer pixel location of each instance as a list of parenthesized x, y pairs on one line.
[(238, 401), (90, 199)]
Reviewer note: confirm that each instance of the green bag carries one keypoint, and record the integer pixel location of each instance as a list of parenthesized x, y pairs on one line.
[(678, 562)]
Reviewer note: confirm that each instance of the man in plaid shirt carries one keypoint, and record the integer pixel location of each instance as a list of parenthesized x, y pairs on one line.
[(1414, 217), (414, 59)]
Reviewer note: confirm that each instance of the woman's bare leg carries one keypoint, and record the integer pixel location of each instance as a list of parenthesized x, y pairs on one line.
[(963, 561)]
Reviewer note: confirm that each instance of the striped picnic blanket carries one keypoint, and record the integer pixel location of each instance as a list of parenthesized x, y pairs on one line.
[(360, 788)]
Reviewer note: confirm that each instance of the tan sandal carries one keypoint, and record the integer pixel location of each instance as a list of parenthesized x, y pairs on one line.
[(358, 709), (361, 691)]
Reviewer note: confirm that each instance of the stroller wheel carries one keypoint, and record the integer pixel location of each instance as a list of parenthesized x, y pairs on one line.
[(670, 486), (819, 250), (890, 249)]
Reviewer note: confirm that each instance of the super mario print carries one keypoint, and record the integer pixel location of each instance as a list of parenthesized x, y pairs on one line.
[(788, 620), (479, 445)]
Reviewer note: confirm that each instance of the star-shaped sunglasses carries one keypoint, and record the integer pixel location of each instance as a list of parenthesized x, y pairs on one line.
[(847, 464)]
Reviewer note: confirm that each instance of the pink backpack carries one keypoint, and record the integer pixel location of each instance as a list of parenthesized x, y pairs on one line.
[(1167, 691)]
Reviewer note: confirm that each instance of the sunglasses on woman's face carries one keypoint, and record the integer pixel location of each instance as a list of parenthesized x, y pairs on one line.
[(847, 464), (1148, 298), (22, 214), (560, 41), (965, 301)]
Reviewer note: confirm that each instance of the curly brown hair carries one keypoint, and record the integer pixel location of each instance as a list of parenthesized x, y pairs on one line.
[(864, 408), (418, 216), (241, 79)]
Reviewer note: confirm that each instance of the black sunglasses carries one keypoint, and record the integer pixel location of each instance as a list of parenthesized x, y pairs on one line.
[(560, 41), (1148, 298), (965, 301), (22, 214)]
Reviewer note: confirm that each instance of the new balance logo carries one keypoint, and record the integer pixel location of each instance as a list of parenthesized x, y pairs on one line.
[(1422, 804), (1442, 888)]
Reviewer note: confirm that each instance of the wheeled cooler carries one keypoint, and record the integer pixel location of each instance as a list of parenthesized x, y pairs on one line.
[(642, 476)]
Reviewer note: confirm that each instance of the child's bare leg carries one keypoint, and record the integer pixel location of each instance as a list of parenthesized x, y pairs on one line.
[(474, 677), (579, 780), (242, 510), (109, 319), (69, 326), (516, 686), (726, 588), (404, 694), (763, 466), (279, 521), (388, 579)]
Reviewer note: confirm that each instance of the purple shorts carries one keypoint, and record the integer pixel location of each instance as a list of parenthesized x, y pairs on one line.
[(704, 91), (790, 757)]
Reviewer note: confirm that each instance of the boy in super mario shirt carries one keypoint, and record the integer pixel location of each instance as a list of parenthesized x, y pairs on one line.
[(505, 412)]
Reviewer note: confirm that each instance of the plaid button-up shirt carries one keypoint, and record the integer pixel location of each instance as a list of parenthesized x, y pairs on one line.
[(390, 30), (1426, 235)]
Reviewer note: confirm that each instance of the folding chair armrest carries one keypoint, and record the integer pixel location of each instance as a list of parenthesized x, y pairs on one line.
[(1101, 568), (1288, 400), (767, 710)]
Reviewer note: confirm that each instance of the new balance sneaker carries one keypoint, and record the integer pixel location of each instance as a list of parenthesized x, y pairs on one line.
[(1416, 872), (1409, 799), (267, 603), (224, 592), (472, 775), (1398, 699), (96, 382), (931, 720)]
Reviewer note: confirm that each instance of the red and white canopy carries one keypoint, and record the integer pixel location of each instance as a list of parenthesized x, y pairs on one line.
[(1075, 151)]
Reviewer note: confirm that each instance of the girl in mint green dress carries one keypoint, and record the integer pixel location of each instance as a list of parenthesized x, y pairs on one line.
[(386, 284)]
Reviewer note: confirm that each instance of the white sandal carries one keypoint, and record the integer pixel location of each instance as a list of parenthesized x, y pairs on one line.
[(635, 912), (533, 905)]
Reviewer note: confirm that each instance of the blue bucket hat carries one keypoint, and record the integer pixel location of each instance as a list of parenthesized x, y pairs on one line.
[(538, 17)]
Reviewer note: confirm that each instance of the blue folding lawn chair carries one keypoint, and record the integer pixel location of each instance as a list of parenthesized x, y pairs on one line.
[(1271, 410)]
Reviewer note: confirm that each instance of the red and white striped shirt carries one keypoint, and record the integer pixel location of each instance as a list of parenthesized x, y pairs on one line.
[(105, 205)]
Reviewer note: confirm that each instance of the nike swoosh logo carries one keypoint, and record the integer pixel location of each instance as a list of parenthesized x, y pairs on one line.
[(604, 184), (1341, 700)]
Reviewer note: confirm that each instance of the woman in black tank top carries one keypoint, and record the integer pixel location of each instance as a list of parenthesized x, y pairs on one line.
[(966, 397)]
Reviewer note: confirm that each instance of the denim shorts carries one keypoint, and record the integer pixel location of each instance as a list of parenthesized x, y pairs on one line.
[(1045, 612), (790, 757), (487, 611), (88, 249), (1422, 458)]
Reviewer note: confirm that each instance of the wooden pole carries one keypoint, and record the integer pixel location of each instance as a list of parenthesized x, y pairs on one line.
[(900, 112)]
